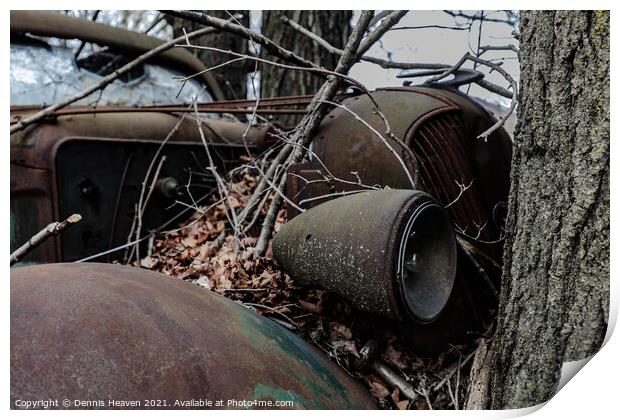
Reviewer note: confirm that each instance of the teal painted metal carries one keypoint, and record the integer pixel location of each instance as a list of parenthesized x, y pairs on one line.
[(102, 331)]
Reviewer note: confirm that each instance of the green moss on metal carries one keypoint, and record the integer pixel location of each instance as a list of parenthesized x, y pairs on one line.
[(302, 361)]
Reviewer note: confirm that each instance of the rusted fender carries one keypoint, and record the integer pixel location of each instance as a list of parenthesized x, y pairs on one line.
[(102, 332), (389, 252)]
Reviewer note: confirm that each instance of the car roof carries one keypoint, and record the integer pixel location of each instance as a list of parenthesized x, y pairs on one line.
[(52, 24)]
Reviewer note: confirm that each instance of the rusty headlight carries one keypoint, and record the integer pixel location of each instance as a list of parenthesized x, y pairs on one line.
[(389, 252)]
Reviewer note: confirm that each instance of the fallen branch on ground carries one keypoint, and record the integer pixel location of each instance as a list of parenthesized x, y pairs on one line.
[(394, 379), (453, 372)]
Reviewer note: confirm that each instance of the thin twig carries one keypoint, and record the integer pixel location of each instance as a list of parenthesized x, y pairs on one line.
[(268, 308), (141, 209), (458, 383), (451, 394), (223, 191), (424, 392), (481, 272), (511, 47), (308, 127), (383, 139), (388, 64), (52, 229), (475, 252), (375, 60), (386, 23), (141, 205), (224, 25), (462, 189), (509, 20), (156, 21), (23, 123), (454, 371), (317, 70), (494, 66), (382, 14)]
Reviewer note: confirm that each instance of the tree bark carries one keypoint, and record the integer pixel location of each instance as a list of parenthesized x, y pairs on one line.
[(331, 25), (554, 302), (232, 77)]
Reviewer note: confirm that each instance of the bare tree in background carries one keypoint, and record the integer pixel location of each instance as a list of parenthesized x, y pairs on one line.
[(331, 25), (232, 77), (555, 289)]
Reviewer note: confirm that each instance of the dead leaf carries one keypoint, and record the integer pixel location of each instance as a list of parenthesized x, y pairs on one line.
[(191, 252), (402, 405), (394, 357), (204, 281), (342, 330), (378, 390), (348, 346), (223, 283), (148, 262)]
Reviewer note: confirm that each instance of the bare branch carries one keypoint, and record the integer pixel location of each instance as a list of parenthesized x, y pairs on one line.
[(491, 87), (494, 66), (453, 28), (106, 80), (52, 229), (385, 142), (389, 21), (454, 371), (462, 189), (465, 247), (449, 71), (318, 70), (330, 195), (141, 205), (323, 43), (156, 22), (378, 17), (515, 94), (224, 25), (387, 64), (375, 60), (485, 48), (510, 19), (310, 124)]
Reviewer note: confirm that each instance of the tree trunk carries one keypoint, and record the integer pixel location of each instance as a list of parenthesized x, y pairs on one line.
[(331, 25), (555, 287), (232, 77)]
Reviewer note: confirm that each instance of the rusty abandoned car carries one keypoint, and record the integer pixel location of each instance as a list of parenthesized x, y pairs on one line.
[(400, 232)]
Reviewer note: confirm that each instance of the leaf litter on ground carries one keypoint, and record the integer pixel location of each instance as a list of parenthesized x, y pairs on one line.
[(204, 251)]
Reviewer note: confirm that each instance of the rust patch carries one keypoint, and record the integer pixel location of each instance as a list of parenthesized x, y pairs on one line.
[(101, 331)]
